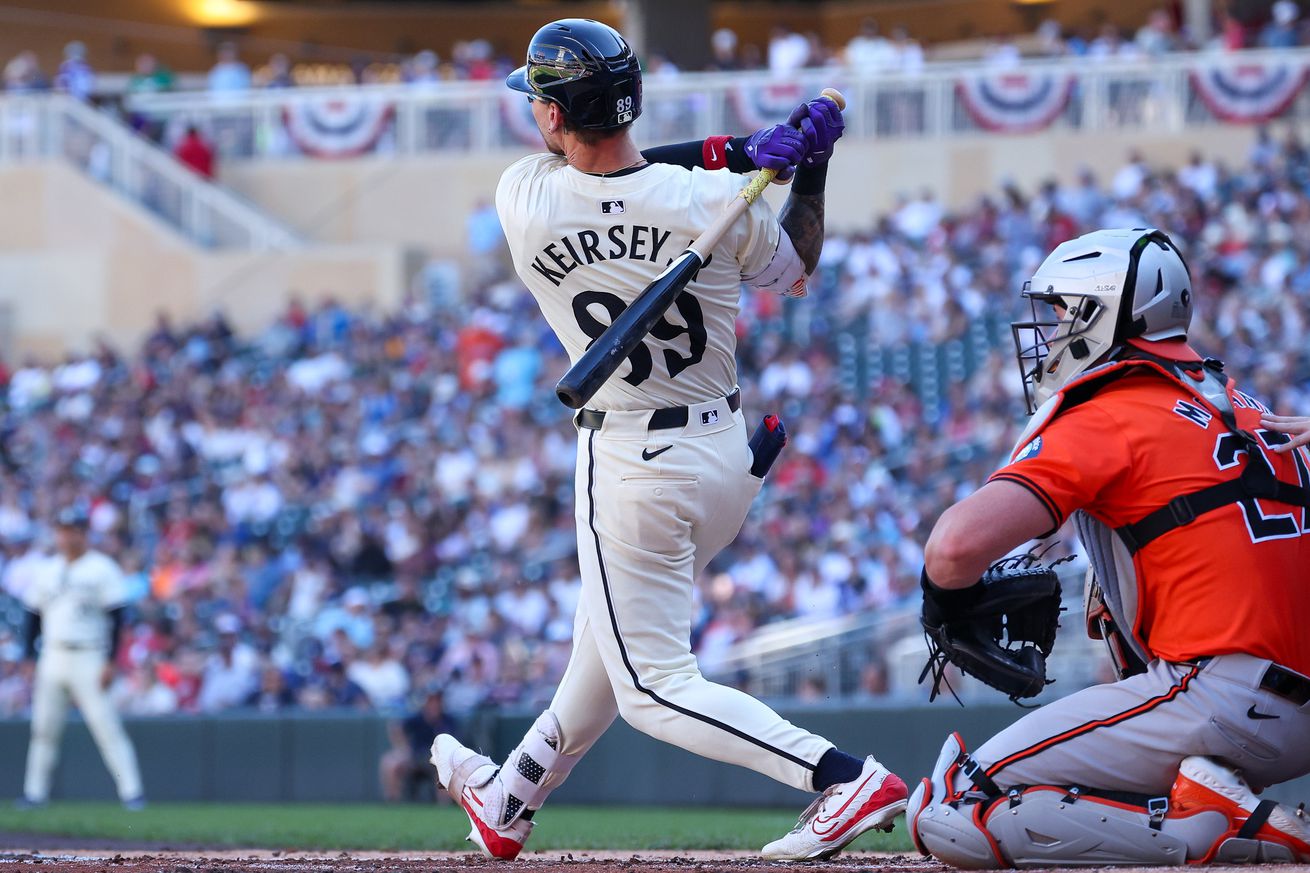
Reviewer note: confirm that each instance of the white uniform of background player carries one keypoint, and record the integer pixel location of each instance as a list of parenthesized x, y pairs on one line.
[(663, 480), (74, 593)]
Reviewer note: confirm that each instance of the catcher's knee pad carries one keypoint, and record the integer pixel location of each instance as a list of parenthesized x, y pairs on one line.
[(535, 768)]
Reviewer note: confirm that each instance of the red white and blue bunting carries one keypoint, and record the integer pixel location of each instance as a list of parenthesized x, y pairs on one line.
[(757, 107), (336, 127), (1015, 102), (1250, 93)]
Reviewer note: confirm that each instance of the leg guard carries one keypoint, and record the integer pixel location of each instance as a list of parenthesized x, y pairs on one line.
[(942, 813), (1048, 825), (531, 772), (961, 817)]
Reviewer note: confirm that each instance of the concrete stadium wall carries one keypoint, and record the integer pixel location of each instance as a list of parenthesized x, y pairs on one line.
[(424, 201), (322, 759), (78, 262)]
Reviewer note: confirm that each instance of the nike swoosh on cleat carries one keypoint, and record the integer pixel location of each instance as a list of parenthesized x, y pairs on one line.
[(1251, 713), (648, 455)]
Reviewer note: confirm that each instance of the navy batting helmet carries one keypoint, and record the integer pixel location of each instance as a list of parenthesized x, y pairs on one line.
[(587, 68)]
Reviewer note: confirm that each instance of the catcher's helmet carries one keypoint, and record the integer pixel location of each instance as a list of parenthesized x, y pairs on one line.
[(1111, 287), (587, 68)]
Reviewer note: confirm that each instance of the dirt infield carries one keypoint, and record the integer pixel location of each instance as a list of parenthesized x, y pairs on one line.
[(88, 860), (85, 860)]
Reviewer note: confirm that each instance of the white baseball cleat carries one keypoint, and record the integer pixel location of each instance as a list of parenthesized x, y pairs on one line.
[(1283, 835), (841, 814), (468, 777)]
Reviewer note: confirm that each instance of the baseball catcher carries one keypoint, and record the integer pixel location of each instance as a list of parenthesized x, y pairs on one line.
[(1196, 529)]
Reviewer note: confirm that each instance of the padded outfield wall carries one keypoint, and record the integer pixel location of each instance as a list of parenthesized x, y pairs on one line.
[(334, 758)]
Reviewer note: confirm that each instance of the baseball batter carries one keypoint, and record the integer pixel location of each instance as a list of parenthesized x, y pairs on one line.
[(76, 607), (664, 476), (1198, 532)]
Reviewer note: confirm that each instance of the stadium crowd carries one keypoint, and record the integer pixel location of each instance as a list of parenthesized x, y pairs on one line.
[(353, 507), (871, 49)]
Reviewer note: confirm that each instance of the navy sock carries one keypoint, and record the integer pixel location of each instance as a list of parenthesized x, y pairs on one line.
[(836, 767)]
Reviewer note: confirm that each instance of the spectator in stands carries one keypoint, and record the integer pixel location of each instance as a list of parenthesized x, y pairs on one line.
[(230, 672), (23, 74), (229, 74), (273, 693), (75, 76), (723, 48), (391, 479), (1281, 31), (1199, 176), (788, 51), (195, 152), (381, 676), (406, 764), (1003, 54), (1051, 42), (332, 689), (1110, 44), (909, 54), (869, 51), (276, 73), (423, 68), (141, 693), (149, 76), (1157, 36)]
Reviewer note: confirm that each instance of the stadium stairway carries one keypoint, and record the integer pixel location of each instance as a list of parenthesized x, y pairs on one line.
[(102, 230)]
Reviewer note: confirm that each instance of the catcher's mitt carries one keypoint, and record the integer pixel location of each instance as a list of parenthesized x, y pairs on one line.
[(1004, 633)]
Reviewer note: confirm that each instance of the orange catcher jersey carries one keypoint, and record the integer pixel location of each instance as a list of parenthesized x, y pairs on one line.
[(1236, 579)]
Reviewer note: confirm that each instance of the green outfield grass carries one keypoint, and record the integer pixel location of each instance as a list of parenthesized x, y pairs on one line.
[(412, 827)]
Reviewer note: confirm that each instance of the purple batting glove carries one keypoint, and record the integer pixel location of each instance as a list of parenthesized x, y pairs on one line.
[(821, 123), (780, 148)]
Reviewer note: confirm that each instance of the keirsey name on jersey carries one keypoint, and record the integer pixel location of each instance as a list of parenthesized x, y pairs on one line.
[(636, 242)]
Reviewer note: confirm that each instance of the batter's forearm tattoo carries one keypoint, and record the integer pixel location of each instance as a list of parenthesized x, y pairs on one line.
[(802, 219)]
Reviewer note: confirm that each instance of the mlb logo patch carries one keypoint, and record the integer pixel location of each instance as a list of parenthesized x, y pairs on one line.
[(1029, 451), (708, 417), (611, 207)]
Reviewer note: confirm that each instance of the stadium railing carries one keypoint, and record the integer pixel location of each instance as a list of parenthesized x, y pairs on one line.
[(1165, 94), (778, 660), (48, 126)]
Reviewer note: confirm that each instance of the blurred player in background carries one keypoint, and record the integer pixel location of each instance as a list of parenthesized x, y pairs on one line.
[(664, 474), (1198, 535), (76, 603)]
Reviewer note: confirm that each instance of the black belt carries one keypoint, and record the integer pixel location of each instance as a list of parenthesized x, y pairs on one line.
[(1288, 684), (660, 419)]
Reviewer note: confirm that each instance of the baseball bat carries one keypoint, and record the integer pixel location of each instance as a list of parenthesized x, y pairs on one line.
[(612, 347)]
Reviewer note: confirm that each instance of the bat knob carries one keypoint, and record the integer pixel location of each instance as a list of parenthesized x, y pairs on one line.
[(835, 96), (570, 397)]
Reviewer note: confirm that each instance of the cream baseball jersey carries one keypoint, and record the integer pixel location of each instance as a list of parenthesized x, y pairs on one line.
[(587, 245), (73, 598)]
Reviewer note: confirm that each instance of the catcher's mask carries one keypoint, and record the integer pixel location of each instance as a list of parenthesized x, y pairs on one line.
[(1091, 296)]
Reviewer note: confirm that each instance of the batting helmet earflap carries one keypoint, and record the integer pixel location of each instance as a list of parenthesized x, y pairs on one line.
[(587, 68)]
